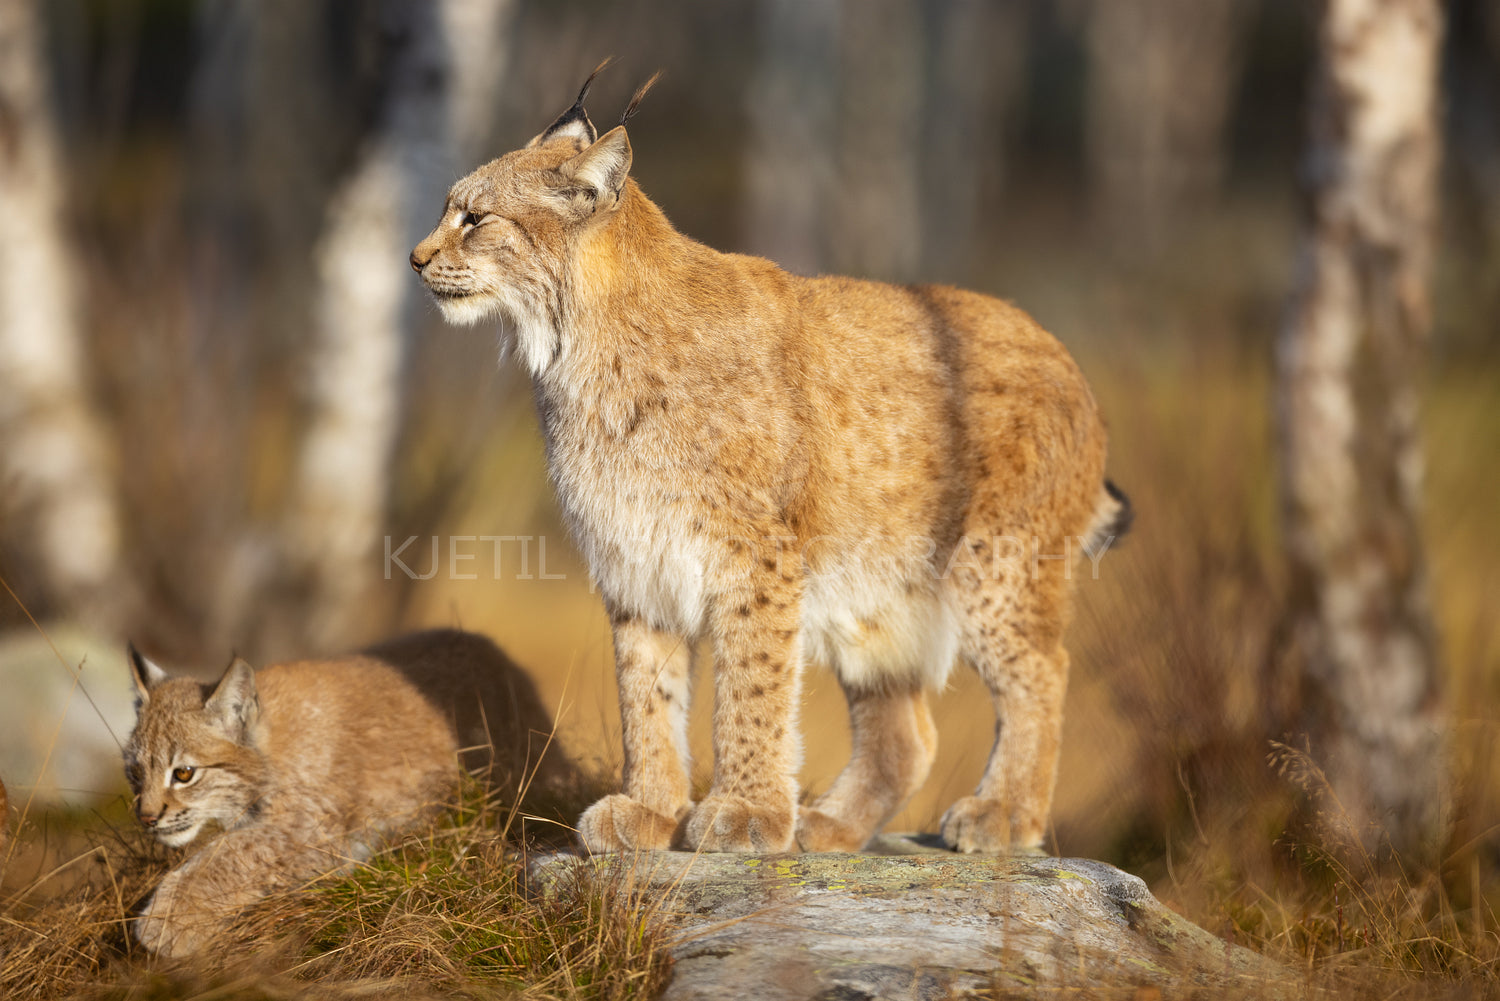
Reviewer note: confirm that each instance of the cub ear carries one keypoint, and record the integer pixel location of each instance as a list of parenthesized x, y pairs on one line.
[(234, 704), (594, 178), (145, 674)]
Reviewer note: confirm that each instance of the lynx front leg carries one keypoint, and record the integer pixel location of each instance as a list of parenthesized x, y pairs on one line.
[(757, 689), (894, 745), (652, 669), (199, 900)]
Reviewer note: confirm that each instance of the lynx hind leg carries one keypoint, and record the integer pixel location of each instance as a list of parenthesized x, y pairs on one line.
[(1013, 624), (894, 745), (653, 669)]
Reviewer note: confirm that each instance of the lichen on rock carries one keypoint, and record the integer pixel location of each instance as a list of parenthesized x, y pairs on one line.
[(908, 920)]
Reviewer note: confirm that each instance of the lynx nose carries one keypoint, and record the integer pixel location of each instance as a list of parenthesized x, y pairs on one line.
[(416, 265), (149, 819)]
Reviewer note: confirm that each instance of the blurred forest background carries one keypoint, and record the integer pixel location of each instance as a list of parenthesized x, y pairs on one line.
[(224, 401)]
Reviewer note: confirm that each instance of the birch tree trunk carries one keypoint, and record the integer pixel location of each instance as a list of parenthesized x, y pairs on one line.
[(1347, 362), (877, 199), (438, 84), (790, 160), (59, 509), (979, 55), (1160, 81)]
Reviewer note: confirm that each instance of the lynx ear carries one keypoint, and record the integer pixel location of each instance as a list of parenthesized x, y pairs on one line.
[(234, 703), (145, 674), (595, 177), (574, 123)]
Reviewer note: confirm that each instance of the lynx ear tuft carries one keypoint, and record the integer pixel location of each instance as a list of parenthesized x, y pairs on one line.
[(234, 704), (145, 674), (635, 101), (595, 177), (574, 123)]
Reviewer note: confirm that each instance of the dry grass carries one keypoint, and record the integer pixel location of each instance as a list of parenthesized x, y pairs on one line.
[(1167, 770), (447, 914), (1238, 832), (1173, 698)]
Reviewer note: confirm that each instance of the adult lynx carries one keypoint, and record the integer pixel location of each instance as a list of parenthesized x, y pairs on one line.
[(880, 478), (305, 765)]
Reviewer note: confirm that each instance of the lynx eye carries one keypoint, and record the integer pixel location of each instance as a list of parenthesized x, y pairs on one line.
[(183, 775), (471, 218)]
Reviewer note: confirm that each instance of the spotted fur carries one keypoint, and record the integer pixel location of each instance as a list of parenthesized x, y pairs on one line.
[(884, 479)]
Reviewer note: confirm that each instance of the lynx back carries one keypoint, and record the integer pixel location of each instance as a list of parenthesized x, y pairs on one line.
[(874, 477)]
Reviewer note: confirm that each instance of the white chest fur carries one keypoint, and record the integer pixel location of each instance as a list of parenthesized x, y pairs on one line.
[(629, 513)]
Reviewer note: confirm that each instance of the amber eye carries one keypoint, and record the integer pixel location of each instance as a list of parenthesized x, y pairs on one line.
[(183, 775)]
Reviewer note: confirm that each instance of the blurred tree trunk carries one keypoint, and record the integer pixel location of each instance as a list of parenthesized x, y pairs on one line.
[(1160, 82), (877, 229), (789, 163), (437, 95), (979, 55), (60, 510), (1348, 360)]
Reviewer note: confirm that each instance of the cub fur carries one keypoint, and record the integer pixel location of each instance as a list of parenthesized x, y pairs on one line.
[(305, 766), (880, 478)]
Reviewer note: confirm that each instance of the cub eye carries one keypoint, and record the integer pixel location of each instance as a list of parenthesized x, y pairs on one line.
[(471, 219), (183, 775)]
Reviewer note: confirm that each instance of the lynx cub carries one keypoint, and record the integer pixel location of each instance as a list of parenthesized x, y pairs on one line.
[(304, 765), (883, 479)]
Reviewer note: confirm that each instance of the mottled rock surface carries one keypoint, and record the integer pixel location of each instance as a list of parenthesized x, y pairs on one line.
[(912, 921), (63, 714)]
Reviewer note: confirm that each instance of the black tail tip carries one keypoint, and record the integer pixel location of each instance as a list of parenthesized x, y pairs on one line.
[(1125, 517)]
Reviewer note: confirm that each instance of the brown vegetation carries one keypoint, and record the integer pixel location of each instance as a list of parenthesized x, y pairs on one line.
[(1167, 770), (447, 914)]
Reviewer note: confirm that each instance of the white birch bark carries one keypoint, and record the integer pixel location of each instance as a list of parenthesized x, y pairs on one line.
[(442, 86), (1347, 362), (59, 506)]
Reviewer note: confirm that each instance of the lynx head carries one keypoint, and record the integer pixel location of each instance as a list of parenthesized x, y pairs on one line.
[(192, 757), (507, 232)]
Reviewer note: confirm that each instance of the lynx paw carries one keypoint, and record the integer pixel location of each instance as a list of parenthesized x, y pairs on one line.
[(734, 824), (822, 832), (169, 935), (619, 823), (984, 826)]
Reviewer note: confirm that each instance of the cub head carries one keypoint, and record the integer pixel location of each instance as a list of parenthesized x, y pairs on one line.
[(192, 757), (507, 230)]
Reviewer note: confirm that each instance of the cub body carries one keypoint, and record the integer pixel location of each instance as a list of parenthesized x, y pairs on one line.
[(880, 478), (304, 765)]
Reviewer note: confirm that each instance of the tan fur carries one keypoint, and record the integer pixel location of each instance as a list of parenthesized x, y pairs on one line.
[(796, 468), (305, 765)]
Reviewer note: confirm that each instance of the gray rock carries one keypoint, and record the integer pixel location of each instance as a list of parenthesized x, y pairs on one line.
[(60, 734), (911, 920)]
